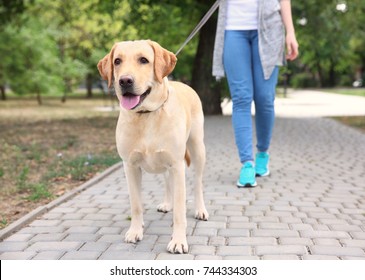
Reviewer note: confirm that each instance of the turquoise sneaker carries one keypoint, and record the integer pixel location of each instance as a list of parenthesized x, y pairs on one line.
[(262, 164), (247, 176)]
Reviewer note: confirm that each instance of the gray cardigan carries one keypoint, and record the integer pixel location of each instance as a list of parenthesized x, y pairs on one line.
[(271, 37)]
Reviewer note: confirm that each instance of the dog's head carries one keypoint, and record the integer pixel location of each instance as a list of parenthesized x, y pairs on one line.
[(138, 69)]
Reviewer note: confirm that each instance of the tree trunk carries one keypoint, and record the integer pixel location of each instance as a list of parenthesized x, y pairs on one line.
[(202, 80), (89, 86), (2, 90), (332, 75), (39, 98)]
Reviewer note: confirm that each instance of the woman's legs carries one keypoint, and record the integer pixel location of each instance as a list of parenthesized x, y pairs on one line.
[(247, 83)]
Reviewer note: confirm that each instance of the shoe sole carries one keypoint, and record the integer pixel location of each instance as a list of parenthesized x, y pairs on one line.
[(248, 185), (263, 175)]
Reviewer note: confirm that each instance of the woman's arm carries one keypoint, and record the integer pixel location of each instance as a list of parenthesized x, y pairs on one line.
[(291, 41)]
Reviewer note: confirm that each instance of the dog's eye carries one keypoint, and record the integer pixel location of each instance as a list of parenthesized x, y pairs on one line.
[(143, 60), (117, 61)]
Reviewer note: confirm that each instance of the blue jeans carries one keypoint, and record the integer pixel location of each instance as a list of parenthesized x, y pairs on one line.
[(246, 84)]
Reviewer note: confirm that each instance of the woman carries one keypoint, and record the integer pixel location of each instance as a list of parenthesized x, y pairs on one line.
[(249, 47)]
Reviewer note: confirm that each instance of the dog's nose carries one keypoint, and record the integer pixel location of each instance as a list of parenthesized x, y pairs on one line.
[(126, 81)]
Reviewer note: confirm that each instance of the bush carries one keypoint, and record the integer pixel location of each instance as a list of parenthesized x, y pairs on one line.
[(303, 80)]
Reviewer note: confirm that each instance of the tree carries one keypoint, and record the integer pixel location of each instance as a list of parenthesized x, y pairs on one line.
[(9, 12), (59, 17), (329, 34), (34, 66)]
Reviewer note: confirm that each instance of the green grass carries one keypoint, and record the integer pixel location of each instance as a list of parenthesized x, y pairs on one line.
[(38, 191), (353, 121), (3, 222)]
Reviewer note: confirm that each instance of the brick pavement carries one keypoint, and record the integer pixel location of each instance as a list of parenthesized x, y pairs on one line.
[(311, 207)]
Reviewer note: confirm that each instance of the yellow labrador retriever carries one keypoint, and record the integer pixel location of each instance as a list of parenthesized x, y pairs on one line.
[(160, 124)]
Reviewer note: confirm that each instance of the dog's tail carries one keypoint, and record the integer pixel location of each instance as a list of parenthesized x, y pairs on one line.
[(187, 157)]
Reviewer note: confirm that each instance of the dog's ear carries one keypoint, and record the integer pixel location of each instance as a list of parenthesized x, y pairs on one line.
[(105, 67), (165, 61)]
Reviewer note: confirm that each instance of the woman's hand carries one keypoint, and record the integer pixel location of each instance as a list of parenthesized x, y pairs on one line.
[(291, 46)]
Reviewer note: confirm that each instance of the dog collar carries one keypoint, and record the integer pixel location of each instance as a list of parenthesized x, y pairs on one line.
[(147, 111)]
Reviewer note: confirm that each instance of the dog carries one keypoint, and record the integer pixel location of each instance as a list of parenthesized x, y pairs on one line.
[(160, 126)]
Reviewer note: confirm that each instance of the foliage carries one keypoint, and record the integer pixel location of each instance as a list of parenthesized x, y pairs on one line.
[(58, 43), (328, 51), (34, 66), (9, 9)]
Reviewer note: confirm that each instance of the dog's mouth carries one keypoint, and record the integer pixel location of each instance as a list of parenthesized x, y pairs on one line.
[(131, 101)]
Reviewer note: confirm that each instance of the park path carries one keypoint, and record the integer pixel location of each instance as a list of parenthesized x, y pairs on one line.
[(311, 207)]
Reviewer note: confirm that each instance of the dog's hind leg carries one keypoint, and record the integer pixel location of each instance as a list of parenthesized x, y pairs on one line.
[(196, 147), (166, 205)]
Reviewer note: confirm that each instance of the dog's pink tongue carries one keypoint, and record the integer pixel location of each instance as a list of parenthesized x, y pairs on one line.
[(130, 101)]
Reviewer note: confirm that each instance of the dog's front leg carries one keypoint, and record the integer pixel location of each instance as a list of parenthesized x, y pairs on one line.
[(134, 179), (178, 243)]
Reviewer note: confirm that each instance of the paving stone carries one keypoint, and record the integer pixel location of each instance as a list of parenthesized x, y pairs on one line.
[(197, 240), (358, 235), (48, 237), (208, 258), (10, 246), (353, 243), (109, 230), (54, 246), (45, 223), (273, 226), (241, 225), (117, 255), (217, 240), (98, 217), (95, 246), (17, 255), (248, 258), (319, 257), (18, 237), (281, 250), (83, 237), (233, 232), (78, 255), (167, 256), (111, 238), (327, 242), (234, 251), (295, 241), (251, 241), (37, 230), (82, 229), (280, 257), (337, 251), (48, 255), (274, 233), (324, 234), (202, 250)]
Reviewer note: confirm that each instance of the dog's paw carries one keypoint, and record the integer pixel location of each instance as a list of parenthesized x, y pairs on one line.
[(133, 235), (178, 246), (164, 207), (202, 215)]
